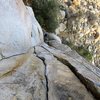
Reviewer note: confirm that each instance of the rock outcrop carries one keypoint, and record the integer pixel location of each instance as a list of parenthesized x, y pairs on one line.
[(33, 70), (26, 82), (62, 84), (87, 73), (17, 26), (48, 75), (19, 32)]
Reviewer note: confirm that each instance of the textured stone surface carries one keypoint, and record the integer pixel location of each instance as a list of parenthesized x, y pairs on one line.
[(37, 34), (87, 73), (41, 76), (62, 83), (26, 82), (28, 73), (13, 62), (21, 73), (17, 27)]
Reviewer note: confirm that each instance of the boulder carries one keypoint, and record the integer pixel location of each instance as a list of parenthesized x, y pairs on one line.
[(37, 33), (19, 31), (17, 26)]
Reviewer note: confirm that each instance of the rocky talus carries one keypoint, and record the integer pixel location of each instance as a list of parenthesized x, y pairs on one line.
[(51, 73), (80, 25)]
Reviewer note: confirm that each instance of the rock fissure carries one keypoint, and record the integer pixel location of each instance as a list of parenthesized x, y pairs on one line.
[(46, 77), (3, 57), (79, 76), (86, 66), (30, 69), (85, 81), (45, 74), (75, 60), (69, 65), (63, 84), (88, 77)]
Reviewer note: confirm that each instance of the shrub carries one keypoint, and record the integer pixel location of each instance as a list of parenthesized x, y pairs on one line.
[(46, 12), (80, 50)]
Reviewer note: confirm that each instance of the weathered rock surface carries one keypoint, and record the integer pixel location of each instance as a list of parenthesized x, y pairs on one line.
[(26, 82), (61, 82), (36, 34), (38, 73), (17, 26), (43, 77), (87, 73), (19, 32)]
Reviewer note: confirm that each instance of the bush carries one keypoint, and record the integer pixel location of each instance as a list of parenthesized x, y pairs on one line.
[(80, 50), (46, 12)]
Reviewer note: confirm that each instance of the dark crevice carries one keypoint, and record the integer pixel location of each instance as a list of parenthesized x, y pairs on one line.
[(46, 77), (86, 82), (4, 58), (76, 60), (90, 86), (45, 74)]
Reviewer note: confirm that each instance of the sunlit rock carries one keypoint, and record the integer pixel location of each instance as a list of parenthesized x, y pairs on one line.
[(15, 28)]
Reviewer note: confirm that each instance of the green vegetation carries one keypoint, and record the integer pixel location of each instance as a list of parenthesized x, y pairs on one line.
[(81, 50), (46, 12)]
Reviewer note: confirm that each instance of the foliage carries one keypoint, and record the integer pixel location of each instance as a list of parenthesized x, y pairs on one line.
[(46, 13), (81, 50)]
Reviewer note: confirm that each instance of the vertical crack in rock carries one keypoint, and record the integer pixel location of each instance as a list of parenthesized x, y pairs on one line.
[(46, 77), (91, 85), (45, 74)]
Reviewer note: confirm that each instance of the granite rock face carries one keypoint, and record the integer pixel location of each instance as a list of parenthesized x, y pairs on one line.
[(15, 28), (85, 71), (42, 77), (18, 27), (37, 33), (26, 82), (62, 84), (19, 32), (29, 71)]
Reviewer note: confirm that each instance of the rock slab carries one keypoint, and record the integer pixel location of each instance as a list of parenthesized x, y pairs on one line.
[(61, 82), (87, 73)]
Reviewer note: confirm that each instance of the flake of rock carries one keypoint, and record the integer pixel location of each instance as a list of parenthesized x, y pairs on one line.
[(62, 83), (87, 73)]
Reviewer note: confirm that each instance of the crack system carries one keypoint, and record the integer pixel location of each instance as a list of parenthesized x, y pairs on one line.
[(46, 78), (83, 80), (45, 74)]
